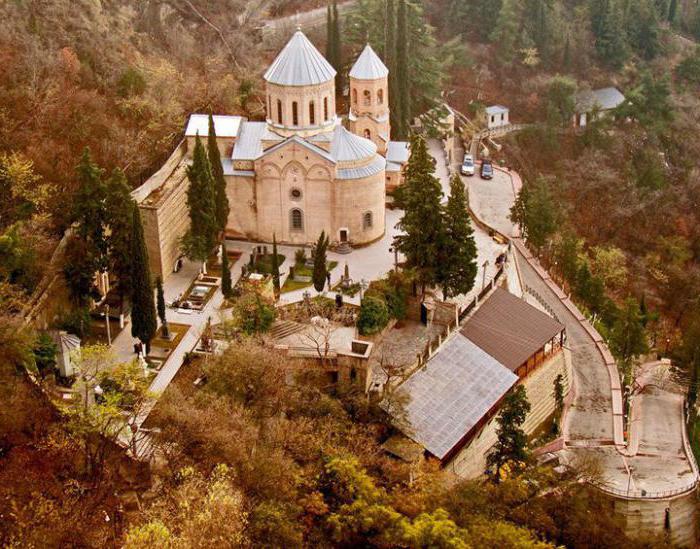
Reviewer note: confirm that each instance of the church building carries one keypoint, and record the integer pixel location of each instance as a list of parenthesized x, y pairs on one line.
[(301, 171)]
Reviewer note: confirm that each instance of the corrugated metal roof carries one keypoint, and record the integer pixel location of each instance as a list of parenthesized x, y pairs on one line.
[(224, 126), (393, 167), (348, 147), (509, 329), (300, 64), (398, 152), (605, 99), (374, 167), (496, 109), (249, 144), (368, 66), (449, 396)]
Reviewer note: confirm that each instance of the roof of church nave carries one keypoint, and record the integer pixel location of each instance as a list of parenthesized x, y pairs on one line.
[(300, 64), (369, 66)]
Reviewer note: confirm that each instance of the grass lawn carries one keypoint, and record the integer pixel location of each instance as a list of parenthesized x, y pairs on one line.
[(263, 265), (302, 270)]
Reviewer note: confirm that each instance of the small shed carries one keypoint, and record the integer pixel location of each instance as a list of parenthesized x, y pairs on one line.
[(497, 116), (589, 102), (67, 344)]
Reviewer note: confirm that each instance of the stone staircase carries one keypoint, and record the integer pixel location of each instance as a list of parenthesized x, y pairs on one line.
[(343, 248), (285, 328)]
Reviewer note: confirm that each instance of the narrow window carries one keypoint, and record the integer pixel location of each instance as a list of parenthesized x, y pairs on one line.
[(269, 106), (325, 109), (354, 96), (297, 220), (295, 114), (380, 96), (368, 134), (368, 97), (312, 113), (367, 220), (279, 111)]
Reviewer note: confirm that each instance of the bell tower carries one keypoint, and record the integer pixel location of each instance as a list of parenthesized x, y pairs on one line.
[(369, 99)]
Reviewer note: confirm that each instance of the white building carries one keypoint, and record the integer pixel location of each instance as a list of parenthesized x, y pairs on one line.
[(497, 116)]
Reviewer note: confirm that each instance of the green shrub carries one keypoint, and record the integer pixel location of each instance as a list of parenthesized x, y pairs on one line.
[(300, 256), (254, 313), (374, 315)]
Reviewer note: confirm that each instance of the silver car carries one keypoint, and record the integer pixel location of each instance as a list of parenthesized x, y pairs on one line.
[(467, 165)]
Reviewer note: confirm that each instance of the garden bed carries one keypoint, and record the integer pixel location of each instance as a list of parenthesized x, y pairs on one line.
[(162, 348), (306, 273)]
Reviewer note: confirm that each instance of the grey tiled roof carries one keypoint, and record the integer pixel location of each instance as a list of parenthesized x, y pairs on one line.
[(605, 99), (300, 64), (368, 66), (398, 152), (496, 109), (374, 167), (449, 396), (304, 143), (348, 147)]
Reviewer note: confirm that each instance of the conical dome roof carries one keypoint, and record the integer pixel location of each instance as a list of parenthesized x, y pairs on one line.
[(348, 147), (300, 64), (368, 66)]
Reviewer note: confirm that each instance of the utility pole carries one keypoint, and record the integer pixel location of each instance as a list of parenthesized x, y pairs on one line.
[(109, 335)]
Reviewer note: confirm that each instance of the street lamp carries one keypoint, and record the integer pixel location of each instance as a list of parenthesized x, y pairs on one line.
[(395, 251), (483, 280)]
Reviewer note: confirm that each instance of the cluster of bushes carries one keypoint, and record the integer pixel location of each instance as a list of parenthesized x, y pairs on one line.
[(385, 299)]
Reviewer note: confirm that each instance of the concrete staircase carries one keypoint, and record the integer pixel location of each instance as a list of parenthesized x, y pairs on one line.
[(285, 328), (343, 248)]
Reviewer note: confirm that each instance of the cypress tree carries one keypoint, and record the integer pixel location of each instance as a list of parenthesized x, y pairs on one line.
[(320, 269), (120, 213), (275, 266), (201, 238), (160, 306), (510, 448), (330, 40), (457, 268), (337, 50), (422, 222), (402, 84), (390, 56), (225, 273), (217, 170), (143, 310)]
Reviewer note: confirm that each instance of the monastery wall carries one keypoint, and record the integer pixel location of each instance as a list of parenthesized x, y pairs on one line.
[(470, 462), (674, 517), (242, 218)]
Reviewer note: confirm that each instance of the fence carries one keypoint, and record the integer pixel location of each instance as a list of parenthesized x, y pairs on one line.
[(644, 494)]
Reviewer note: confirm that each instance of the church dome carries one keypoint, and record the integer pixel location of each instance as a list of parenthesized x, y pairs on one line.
[(300, 64), (348, 147), (369, 66)]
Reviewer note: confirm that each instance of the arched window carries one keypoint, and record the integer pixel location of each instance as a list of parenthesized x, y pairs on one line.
[(367, 220), (295, 113), (367, 97), (296, 220), (354, 96), (368, 134), (380, 96), (325, 109), (279, 111), (312, 113)]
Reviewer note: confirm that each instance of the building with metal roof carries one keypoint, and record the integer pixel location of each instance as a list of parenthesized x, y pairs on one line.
[(590, 103), (303, 169), (449, 402)]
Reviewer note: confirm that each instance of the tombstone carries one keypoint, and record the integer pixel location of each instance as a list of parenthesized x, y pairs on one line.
[(339, 301)]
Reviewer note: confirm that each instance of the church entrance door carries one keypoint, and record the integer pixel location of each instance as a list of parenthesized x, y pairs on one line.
[(343, 235)]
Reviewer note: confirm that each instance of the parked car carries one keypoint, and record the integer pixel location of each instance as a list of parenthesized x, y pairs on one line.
[(486, 169), (468, 165)]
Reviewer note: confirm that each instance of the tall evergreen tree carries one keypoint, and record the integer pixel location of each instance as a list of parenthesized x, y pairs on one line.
[(505, 32), (457, 267), (390, 58), (275, 266), (160, 306), (627, 337), (201, 238), (217, 171), (143, 310), (511, 446), (338, 50), (225, 272), (402, 80), (88, 215), (120, 214), (422, 222), (320, 272)]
